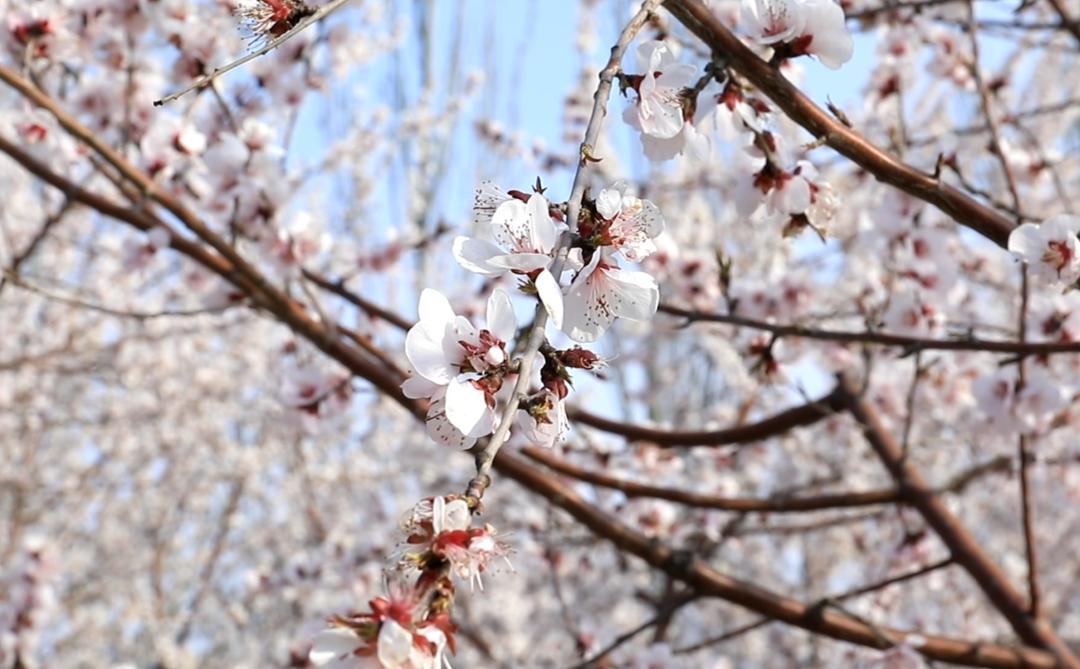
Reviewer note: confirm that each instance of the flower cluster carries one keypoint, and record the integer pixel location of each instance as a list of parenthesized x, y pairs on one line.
[(439, 532), (787, 192), (459, 368), (664, 110), (411, 627), (267, 19), (388, 637), (615, 223), (462, 370), (800, 27)]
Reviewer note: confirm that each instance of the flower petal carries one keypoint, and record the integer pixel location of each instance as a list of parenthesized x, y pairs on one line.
[(544, 234), (1063, 225), (660, 118), (522, 262), (441, 431), (510, 227), (487, 199), (1027, 242), (501, 320), (331, 644), (455, 516), (417, 387), (635, 294), (608, 203), (467, 408), (435, 311), (395, 644), (551, 296), (427, 355), (473, 254)]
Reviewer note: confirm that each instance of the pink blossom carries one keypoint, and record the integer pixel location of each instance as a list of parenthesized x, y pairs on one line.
[(602, 292), (526, 236), (1011, 406), (814, 27), (457, 366), (660, 113), (1051, 250), (544, 421), (629, 224)]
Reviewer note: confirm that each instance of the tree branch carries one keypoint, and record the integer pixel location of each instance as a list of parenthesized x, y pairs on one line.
[(885, 339), (800, 416), (486, 451), (886, 168), (709, 582), (779, 504), (965, 548), (205, 80)]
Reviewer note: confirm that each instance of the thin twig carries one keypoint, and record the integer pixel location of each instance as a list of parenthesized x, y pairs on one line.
[(1022, 446), (206, 79), (871, 337), (21, 282), (485, 453), (963, 545)]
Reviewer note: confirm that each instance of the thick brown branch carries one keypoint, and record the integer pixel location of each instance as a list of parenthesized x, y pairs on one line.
[(800, 416), (709, 582), (370, 308), (287, 311), (779, 504), (964, 547), (886, 168), (850, 594), (1068, 22)]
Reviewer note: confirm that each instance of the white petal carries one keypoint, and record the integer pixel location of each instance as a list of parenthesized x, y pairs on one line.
[(441, 431), (659, 149), (522, 262), (650, 54), (435, 311), (427, 355), (636, 295), (551, 296), (1027, 242), (1061, 226), (460, 330), (395, 645), (794, 197), (487, 199), (417, 387), (473, 254), (661, 118), (830, 41), (834, 51), (544, 232), (678, 75), (456, 516), (587, 312), (501, 320), (510, 227), (608, 203), (586, 271), (467, 409), (438, 514), (330, 644)]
